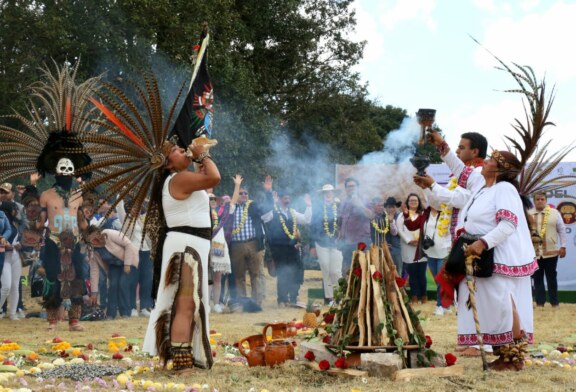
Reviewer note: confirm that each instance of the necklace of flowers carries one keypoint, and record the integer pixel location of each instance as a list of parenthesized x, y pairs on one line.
[(326, 226), (376, 226), (214, 218), (283, 222), (446, 212), (243, 219), (545, 222)]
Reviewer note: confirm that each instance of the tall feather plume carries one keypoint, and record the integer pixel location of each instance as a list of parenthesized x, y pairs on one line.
[(530, 148), (56, 103), (127, 152)]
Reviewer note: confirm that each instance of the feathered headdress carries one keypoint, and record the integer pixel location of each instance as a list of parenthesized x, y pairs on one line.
[(131, 150), (532, 152), (57, 114)]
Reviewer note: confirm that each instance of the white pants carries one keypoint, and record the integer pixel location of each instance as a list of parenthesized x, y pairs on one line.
[(330, 260), (10, 281)]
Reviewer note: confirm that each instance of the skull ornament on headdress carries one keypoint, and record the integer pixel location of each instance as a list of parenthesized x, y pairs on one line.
[(65, 167), (57, 115)]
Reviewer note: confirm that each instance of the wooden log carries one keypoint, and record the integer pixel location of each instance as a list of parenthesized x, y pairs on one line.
[(362, 303), (336, 371), (397, 318), (375, 258), (369, 305), (379, 308), (409, 374), (344, 322), (388, 260)]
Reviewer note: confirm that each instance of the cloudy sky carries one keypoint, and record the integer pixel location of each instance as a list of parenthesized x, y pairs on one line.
[(419, 55)]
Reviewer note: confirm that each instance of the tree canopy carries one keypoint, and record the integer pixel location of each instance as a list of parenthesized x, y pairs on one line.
[(280, 68)]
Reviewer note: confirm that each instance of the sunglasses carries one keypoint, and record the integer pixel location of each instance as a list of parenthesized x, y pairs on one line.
[(243, 193)]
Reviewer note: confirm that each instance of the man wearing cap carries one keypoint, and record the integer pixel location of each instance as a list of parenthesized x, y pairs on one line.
[(323, 235), (284, 240), (353, 223)]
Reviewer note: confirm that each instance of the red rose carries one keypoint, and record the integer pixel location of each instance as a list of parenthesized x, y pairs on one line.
[(326, 339), (361, 246), (196, 48), (115, 335), (56, 340), (377, 276), (8, 362), (310, 356), (117, 356), (324, 365), (450, 359), (128, 348), (357, 272), (89, 346), (400, 282), (341, 363), (329, 318), (64, 354), (214, 353), (85, 357), (7, 341), (428, 342)]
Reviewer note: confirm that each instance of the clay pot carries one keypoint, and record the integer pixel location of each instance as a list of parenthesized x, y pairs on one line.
[(277, 352), (255, 355), (291, 329), (278, 331)]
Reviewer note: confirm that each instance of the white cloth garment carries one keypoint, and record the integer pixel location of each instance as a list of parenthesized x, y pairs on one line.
[(497, 214), (193, 211)]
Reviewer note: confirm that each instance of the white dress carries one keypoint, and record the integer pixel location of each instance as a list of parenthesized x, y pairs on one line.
[(497, 214), (194, 212)]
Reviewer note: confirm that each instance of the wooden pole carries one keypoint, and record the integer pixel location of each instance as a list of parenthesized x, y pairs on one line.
[(472, 290)]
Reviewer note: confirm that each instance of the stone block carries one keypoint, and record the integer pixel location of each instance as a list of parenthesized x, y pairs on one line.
[(319, 349), (381, 364)]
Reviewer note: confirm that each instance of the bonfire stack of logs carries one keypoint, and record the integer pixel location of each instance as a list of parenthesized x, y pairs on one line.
[(375, 311)]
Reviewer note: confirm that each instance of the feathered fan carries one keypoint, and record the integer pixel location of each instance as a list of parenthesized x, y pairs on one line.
[(57, 113), (536, 162), (129, 153)]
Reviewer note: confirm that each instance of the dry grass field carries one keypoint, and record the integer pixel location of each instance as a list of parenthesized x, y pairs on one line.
[(552, 326)]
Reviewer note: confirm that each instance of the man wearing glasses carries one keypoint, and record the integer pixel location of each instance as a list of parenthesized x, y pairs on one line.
[(247, 241)]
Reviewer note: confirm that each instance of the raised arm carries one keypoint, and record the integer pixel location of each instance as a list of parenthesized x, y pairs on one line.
[(237, 183)]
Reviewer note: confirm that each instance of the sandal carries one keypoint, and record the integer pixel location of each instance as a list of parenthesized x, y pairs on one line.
[(75, 327)]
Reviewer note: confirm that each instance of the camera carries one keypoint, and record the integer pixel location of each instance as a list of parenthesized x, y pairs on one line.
[(427, 242)]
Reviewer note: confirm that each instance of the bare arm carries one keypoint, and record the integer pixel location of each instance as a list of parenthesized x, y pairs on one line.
[(185, 183), (237, 182)]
